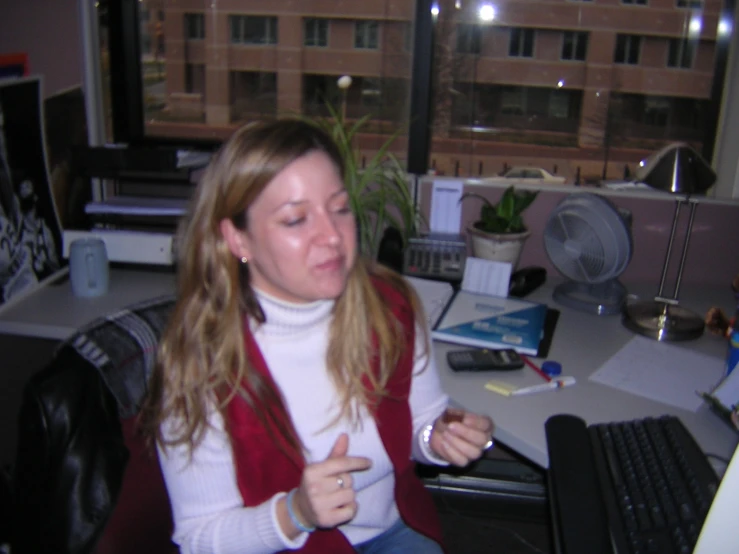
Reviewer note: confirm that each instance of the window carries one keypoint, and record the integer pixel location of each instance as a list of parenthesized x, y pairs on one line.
[(253, 94), (635, 2), (476, 91), (695, 4), (627, 49), (194, 26), (315, 32), (521, 43), (681, 53), (574, 45), (194, 78), (468, 38), (365, 34), (559, 104), (246, 29)]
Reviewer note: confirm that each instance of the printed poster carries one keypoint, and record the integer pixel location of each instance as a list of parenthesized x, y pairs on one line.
[(30, 233)]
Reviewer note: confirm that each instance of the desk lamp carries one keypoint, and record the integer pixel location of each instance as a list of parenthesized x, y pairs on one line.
[(677, 169)]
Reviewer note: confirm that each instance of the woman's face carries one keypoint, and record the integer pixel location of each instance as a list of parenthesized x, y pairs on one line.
[(300, 239)]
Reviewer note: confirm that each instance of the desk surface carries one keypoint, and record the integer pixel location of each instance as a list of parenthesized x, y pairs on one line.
[(582, 344), (51, 311)]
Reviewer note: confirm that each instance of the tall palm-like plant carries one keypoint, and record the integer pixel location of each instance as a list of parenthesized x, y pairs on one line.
[(379, 191)]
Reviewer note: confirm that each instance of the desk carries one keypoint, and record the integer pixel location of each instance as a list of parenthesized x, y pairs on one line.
[(51, 311), (582, 343)]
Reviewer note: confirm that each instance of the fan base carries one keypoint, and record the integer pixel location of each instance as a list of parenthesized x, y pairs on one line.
[(662, 321), (605, 298)]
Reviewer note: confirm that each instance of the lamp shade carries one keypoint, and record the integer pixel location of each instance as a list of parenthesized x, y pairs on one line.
[(676, 168)]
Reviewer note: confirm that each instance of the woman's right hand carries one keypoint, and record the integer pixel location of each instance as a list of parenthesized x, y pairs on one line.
[(326, 497)]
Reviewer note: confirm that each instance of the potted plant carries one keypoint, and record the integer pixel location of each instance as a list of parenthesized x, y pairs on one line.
[(500, 233), (379, 190)]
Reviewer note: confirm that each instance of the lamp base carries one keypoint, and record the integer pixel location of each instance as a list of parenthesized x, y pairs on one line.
[(662, 321)]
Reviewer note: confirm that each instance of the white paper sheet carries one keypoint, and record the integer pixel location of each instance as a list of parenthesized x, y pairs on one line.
[(434, 296), (486, 277), (663, 372), (446, 211)]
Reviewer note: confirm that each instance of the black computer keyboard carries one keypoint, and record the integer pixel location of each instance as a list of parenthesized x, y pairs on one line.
[(645, 484)]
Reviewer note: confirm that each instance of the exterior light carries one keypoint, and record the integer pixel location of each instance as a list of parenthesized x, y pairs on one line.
[(435, 9), (458, 4), (344, 82), (724, 27), (561, 83), (486, 12), (695, 25)]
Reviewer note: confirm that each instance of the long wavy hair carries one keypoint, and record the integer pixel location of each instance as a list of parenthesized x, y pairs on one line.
[(201, 356)]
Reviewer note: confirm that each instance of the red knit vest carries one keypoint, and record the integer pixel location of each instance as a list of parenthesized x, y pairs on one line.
[(263, 469)]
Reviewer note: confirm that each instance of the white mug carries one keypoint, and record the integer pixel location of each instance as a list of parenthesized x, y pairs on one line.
[(88, 267)]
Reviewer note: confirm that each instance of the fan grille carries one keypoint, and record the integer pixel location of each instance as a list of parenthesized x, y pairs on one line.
[(587, 240)]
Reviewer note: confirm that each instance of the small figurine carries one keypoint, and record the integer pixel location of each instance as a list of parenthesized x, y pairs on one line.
[(717, 322)]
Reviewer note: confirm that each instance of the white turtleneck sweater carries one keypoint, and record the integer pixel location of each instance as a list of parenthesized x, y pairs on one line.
[(207, 507)]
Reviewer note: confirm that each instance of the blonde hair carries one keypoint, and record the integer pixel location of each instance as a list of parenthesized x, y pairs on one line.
[(202, 356)]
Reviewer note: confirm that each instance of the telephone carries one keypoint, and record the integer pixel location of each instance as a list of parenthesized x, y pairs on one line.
[(438, 256)]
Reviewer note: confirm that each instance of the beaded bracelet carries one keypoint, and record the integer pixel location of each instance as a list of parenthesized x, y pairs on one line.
[(296, 522)]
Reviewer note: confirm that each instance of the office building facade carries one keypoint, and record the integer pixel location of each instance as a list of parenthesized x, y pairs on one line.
[(512, 76)]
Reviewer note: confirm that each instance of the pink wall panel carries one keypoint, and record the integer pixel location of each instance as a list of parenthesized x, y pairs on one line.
[(48, 31), (713, 255)]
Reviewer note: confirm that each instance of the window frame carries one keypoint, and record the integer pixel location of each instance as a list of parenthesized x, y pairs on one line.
[(317, 31), (471, 38), (127, 108), (523, 34), (629, 38), (367, 34), (576, 39), (683, 50), (270, 32), (199, 18)]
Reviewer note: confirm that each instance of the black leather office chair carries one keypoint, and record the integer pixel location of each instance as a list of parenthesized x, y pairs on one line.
[(84, 480)]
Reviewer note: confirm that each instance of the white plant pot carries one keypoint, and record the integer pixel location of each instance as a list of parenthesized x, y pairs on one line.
[(498, 247)]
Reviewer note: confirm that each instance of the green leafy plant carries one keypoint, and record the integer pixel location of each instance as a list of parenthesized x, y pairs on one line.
[(505, 216), (379, 191)]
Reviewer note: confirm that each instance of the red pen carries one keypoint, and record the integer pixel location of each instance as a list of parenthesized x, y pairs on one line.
[(536, 368)]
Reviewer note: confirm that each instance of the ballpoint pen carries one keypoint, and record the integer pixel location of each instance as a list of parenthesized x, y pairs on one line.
[(536, 368), (558, 383)]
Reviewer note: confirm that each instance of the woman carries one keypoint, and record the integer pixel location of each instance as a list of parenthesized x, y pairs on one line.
[(295, 381)]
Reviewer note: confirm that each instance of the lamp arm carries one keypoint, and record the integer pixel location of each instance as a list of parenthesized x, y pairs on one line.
[(688, 233), (666, 264)]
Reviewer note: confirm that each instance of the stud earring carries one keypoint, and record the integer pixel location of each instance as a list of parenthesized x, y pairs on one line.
[(244, 259)]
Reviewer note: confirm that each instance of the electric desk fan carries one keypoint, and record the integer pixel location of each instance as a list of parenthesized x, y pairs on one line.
[(588, 240)]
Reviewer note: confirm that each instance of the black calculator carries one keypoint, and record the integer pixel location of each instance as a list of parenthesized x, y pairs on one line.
[(483, 359)]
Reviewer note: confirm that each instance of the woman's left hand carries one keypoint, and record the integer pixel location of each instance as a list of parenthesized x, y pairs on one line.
[(460, 437)]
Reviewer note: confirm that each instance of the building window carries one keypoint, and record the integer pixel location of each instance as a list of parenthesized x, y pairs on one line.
[(248, 29), (195, 78), (695, 4), (574, 45), (521, 43), (468, 38), (635, 2), (316, 32), (681, 53), (627, 49), (365, 34), (194, 26), (252, 93)]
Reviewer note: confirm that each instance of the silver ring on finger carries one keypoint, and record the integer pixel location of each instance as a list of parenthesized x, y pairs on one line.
[(340, 482), (488, 445)]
